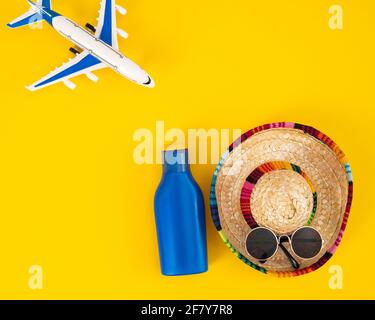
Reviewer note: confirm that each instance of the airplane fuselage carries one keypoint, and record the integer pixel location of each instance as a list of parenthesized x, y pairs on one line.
[(99, 49)]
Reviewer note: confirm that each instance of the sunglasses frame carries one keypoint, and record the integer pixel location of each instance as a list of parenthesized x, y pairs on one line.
[(280, 244)]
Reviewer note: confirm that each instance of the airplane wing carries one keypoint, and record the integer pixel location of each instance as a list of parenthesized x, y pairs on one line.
[(107, 25), (83, 63)]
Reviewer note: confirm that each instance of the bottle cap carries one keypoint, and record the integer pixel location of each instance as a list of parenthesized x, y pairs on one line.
[(176, 160)]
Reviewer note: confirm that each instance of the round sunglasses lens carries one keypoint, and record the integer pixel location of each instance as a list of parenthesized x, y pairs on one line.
[(261, 244), (307, 243)]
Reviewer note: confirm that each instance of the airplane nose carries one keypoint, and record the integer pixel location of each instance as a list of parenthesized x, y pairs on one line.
[(132, 71), (150, 83)]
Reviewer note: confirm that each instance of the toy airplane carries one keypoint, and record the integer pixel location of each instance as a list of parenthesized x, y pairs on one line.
[(94, 50)]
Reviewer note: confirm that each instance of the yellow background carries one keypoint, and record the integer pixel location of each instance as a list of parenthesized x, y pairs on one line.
[(71, 197)]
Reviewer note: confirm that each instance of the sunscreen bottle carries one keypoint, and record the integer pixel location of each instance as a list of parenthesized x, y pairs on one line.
[(180, 218)]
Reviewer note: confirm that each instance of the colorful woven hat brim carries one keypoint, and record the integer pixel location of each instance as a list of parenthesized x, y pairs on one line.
[(256, 175)]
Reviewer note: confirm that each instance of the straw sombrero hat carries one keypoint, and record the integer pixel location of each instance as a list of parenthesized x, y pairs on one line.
[(282, 176)]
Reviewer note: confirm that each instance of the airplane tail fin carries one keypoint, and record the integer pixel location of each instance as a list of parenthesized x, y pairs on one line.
[(35, 14)]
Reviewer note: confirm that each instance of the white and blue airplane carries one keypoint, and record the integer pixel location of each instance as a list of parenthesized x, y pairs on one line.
[(95, 48)]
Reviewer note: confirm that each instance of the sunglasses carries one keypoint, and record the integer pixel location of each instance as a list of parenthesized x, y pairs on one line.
[(262, 244)]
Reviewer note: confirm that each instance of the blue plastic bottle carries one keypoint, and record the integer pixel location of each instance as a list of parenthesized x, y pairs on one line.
[(180, 218)]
